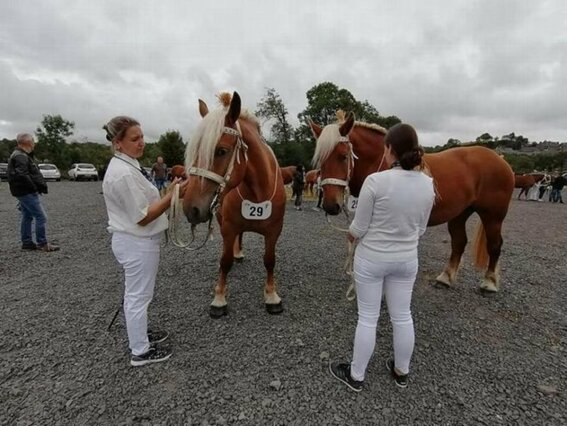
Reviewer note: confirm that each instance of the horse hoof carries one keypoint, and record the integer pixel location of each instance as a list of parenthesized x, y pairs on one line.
[(218, 311), (443, 281), (488, 288), (274, 308), (239, 259)]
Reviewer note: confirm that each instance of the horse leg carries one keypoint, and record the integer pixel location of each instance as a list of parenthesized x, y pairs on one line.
[(493, 230), (457, 230), (218, 307), (271, 299), (238, 254)]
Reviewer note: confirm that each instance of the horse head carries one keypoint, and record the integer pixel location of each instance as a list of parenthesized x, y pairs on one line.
[(335, 158), (214, 158)]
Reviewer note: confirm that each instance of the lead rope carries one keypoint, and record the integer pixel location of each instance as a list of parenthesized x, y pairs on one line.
[(173, 216)]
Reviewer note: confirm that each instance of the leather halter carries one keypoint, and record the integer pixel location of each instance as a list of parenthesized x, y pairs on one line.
[(218, 179), (350, 165)]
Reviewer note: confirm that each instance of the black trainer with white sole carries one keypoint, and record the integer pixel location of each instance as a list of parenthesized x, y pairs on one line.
[(341, 371), (154, 354), (400, 379), (157, 336)]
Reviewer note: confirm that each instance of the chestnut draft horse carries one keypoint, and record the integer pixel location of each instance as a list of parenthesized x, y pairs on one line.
[(528, 180), (287, 174), (310, 181), (467, 180), (227, 160)]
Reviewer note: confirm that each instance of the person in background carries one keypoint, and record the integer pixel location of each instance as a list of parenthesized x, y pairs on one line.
[(159, 174), (392, 213), (137, 222), (556, 188), (26, 184), (297, 185), (319, 189)]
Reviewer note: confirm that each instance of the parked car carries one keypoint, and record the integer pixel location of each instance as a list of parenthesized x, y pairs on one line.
[(49, 171), (3, 171), (83, 171)]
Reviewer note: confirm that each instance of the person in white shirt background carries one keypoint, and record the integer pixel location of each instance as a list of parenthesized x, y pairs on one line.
[(137, 220), (392, 213)]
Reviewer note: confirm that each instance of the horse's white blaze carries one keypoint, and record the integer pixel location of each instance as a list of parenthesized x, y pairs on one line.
[(219, 301), (272, 298)]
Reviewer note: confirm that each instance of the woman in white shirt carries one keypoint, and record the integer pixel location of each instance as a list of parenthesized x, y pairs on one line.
[(392, 213), (137, 221)]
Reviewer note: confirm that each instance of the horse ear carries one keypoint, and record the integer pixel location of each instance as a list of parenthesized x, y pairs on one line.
[(346, 127), (315, 128), (203, 108), (234, 109)]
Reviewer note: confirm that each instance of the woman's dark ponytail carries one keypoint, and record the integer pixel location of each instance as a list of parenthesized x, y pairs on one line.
[(411, 159)]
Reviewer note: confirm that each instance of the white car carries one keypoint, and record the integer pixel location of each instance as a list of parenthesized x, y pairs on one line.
[(49, 171), (83, 171)]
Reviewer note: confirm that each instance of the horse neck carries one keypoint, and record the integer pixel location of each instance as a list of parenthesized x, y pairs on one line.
[(258, 181), (368, 146)]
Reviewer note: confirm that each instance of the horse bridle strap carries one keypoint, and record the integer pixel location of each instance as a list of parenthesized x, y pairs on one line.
[(350, 159), (222, 180), (196, 171)]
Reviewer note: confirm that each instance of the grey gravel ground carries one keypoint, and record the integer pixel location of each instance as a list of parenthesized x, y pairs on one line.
[(478, 360)]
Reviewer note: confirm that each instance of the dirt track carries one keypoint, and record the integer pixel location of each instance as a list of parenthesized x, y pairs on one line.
[(478, 360)]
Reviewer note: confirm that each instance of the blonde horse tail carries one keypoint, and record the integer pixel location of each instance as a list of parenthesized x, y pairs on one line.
[(481, 257)]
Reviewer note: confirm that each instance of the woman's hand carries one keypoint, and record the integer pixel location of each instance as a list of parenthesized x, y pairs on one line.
[(182, 185), (350, 238)]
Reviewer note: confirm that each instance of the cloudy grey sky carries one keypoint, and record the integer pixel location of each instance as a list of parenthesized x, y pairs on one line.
[(451, 68)]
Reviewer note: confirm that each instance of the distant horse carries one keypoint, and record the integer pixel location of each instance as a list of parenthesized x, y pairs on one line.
[(287, 174), (526, 181), (310, 181), (467, 180), (234, 173), (177, 171)]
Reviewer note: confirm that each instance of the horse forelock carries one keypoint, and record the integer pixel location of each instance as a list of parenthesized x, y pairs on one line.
[(201, 146), (326, 143)]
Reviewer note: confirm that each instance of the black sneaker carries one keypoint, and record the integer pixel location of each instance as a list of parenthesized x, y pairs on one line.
[(29, 246), (341, 371), (400, 379), (155, 354), (157, 336)]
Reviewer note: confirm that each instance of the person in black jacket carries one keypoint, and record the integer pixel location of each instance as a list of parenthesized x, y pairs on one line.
[(297, 185), (26, 184)]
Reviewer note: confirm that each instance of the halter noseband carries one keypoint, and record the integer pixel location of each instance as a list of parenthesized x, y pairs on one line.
[(221, 181), (218, 179), (350, 166)]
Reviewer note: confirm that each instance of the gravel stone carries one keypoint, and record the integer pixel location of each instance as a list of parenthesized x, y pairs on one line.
[(479, 359)]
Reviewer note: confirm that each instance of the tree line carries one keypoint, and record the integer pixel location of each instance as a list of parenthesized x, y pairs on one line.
[(291, 145)]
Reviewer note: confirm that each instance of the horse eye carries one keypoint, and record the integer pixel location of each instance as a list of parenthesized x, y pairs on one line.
[(220, 152)]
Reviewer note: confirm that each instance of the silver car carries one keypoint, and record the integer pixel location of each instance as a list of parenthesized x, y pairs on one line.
[(49, 171)]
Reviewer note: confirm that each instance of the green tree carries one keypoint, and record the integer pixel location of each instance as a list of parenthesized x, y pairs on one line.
[(6, 148), (172, 148), (323, 101), (271, 107), (51, 137)]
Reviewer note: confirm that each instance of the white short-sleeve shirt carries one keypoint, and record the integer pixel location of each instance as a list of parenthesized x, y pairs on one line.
[(128, 195)]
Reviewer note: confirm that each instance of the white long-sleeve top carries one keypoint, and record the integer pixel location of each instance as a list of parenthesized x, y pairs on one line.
[(392, 213), (128, 195)]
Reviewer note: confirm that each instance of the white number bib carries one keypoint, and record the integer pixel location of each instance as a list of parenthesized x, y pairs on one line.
[(352, 203), (253, 211)]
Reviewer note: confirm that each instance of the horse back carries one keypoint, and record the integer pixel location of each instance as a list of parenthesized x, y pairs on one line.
[(468, 177)]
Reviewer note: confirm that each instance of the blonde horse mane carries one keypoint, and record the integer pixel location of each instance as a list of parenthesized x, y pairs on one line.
[(202, 144), (329, 137)]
